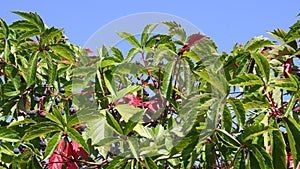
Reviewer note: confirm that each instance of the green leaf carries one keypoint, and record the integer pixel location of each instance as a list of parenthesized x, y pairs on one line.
[(10, 135), (4, 27), (130, 38), (77, 137), (32, 69), (64, 51), (40, 129), (293, 132), (255, 100), (254, 162), (246, 80), (263, 65), (175, 29), (144, 131), (25, 121), (133, 145), (255, 130), (226, 119), (23, 25), (131, 53), (286, 84), (34, 18), (150, 163), (113, 123), (257, 43), (49, 35), (52, 144), (278, 148), (215, 79), (228, 139), (132, 122), (125, 91), (167, 80), (117, 53), (294, 32), (127, 111), (146, 32), (260, 151), (279, 34), (239, 110)]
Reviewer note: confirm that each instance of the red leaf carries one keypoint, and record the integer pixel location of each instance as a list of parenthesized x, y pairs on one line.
[(66, 154), (132, 100), (79, 151)]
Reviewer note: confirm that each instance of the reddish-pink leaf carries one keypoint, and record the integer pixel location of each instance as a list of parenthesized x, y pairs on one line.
[(194, 39), (89, 51), (79, 151)]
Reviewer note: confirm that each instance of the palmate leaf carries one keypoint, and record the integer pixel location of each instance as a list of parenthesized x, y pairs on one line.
[(257, 43), (294, 32), (77, 137), (279, 34), (34, 18)]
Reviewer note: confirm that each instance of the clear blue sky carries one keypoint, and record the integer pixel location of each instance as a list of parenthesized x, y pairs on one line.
[(226, 22)]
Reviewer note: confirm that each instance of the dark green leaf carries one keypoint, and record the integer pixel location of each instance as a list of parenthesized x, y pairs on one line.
[(226, 119), (150, 163), (10, 135), (278, 148), (293, 132), (40, 129)]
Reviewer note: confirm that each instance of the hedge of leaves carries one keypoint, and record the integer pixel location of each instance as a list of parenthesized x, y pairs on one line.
[(56, 97)]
